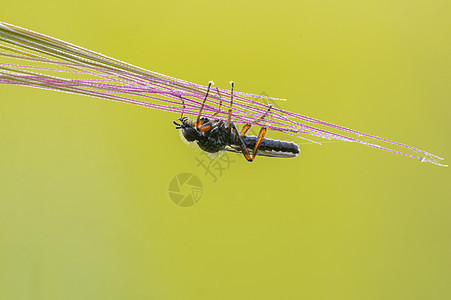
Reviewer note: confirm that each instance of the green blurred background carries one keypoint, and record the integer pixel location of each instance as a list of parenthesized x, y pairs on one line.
[(84, 205)]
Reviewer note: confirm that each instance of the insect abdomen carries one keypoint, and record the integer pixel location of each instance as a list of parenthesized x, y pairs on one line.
[(272, 145)]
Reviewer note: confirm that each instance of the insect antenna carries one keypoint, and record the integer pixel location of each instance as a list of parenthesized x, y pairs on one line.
[(177, 125)]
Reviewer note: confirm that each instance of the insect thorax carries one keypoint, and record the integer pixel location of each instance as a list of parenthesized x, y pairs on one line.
[(215, 139)]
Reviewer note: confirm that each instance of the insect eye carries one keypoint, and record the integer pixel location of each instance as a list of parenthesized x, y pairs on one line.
[(190, 134)]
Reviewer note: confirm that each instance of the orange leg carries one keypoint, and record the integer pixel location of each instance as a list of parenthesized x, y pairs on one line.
[(242, 145), (261, 136), (245, 129), (247, 126)]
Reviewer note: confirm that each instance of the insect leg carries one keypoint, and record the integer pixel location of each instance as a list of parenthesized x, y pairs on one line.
[(261, 136), (247, 126), (220, 104), (198, 121), (241, 144), (245, 129), (265, 114), (183, 109), (231, 103)]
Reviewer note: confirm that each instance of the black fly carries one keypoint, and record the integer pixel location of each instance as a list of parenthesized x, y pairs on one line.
[(217, 135)]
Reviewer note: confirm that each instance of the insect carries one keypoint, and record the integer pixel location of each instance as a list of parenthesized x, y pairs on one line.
[(217, 135)]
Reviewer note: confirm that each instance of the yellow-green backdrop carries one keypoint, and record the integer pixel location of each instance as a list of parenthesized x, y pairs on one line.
[(84, 205)]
